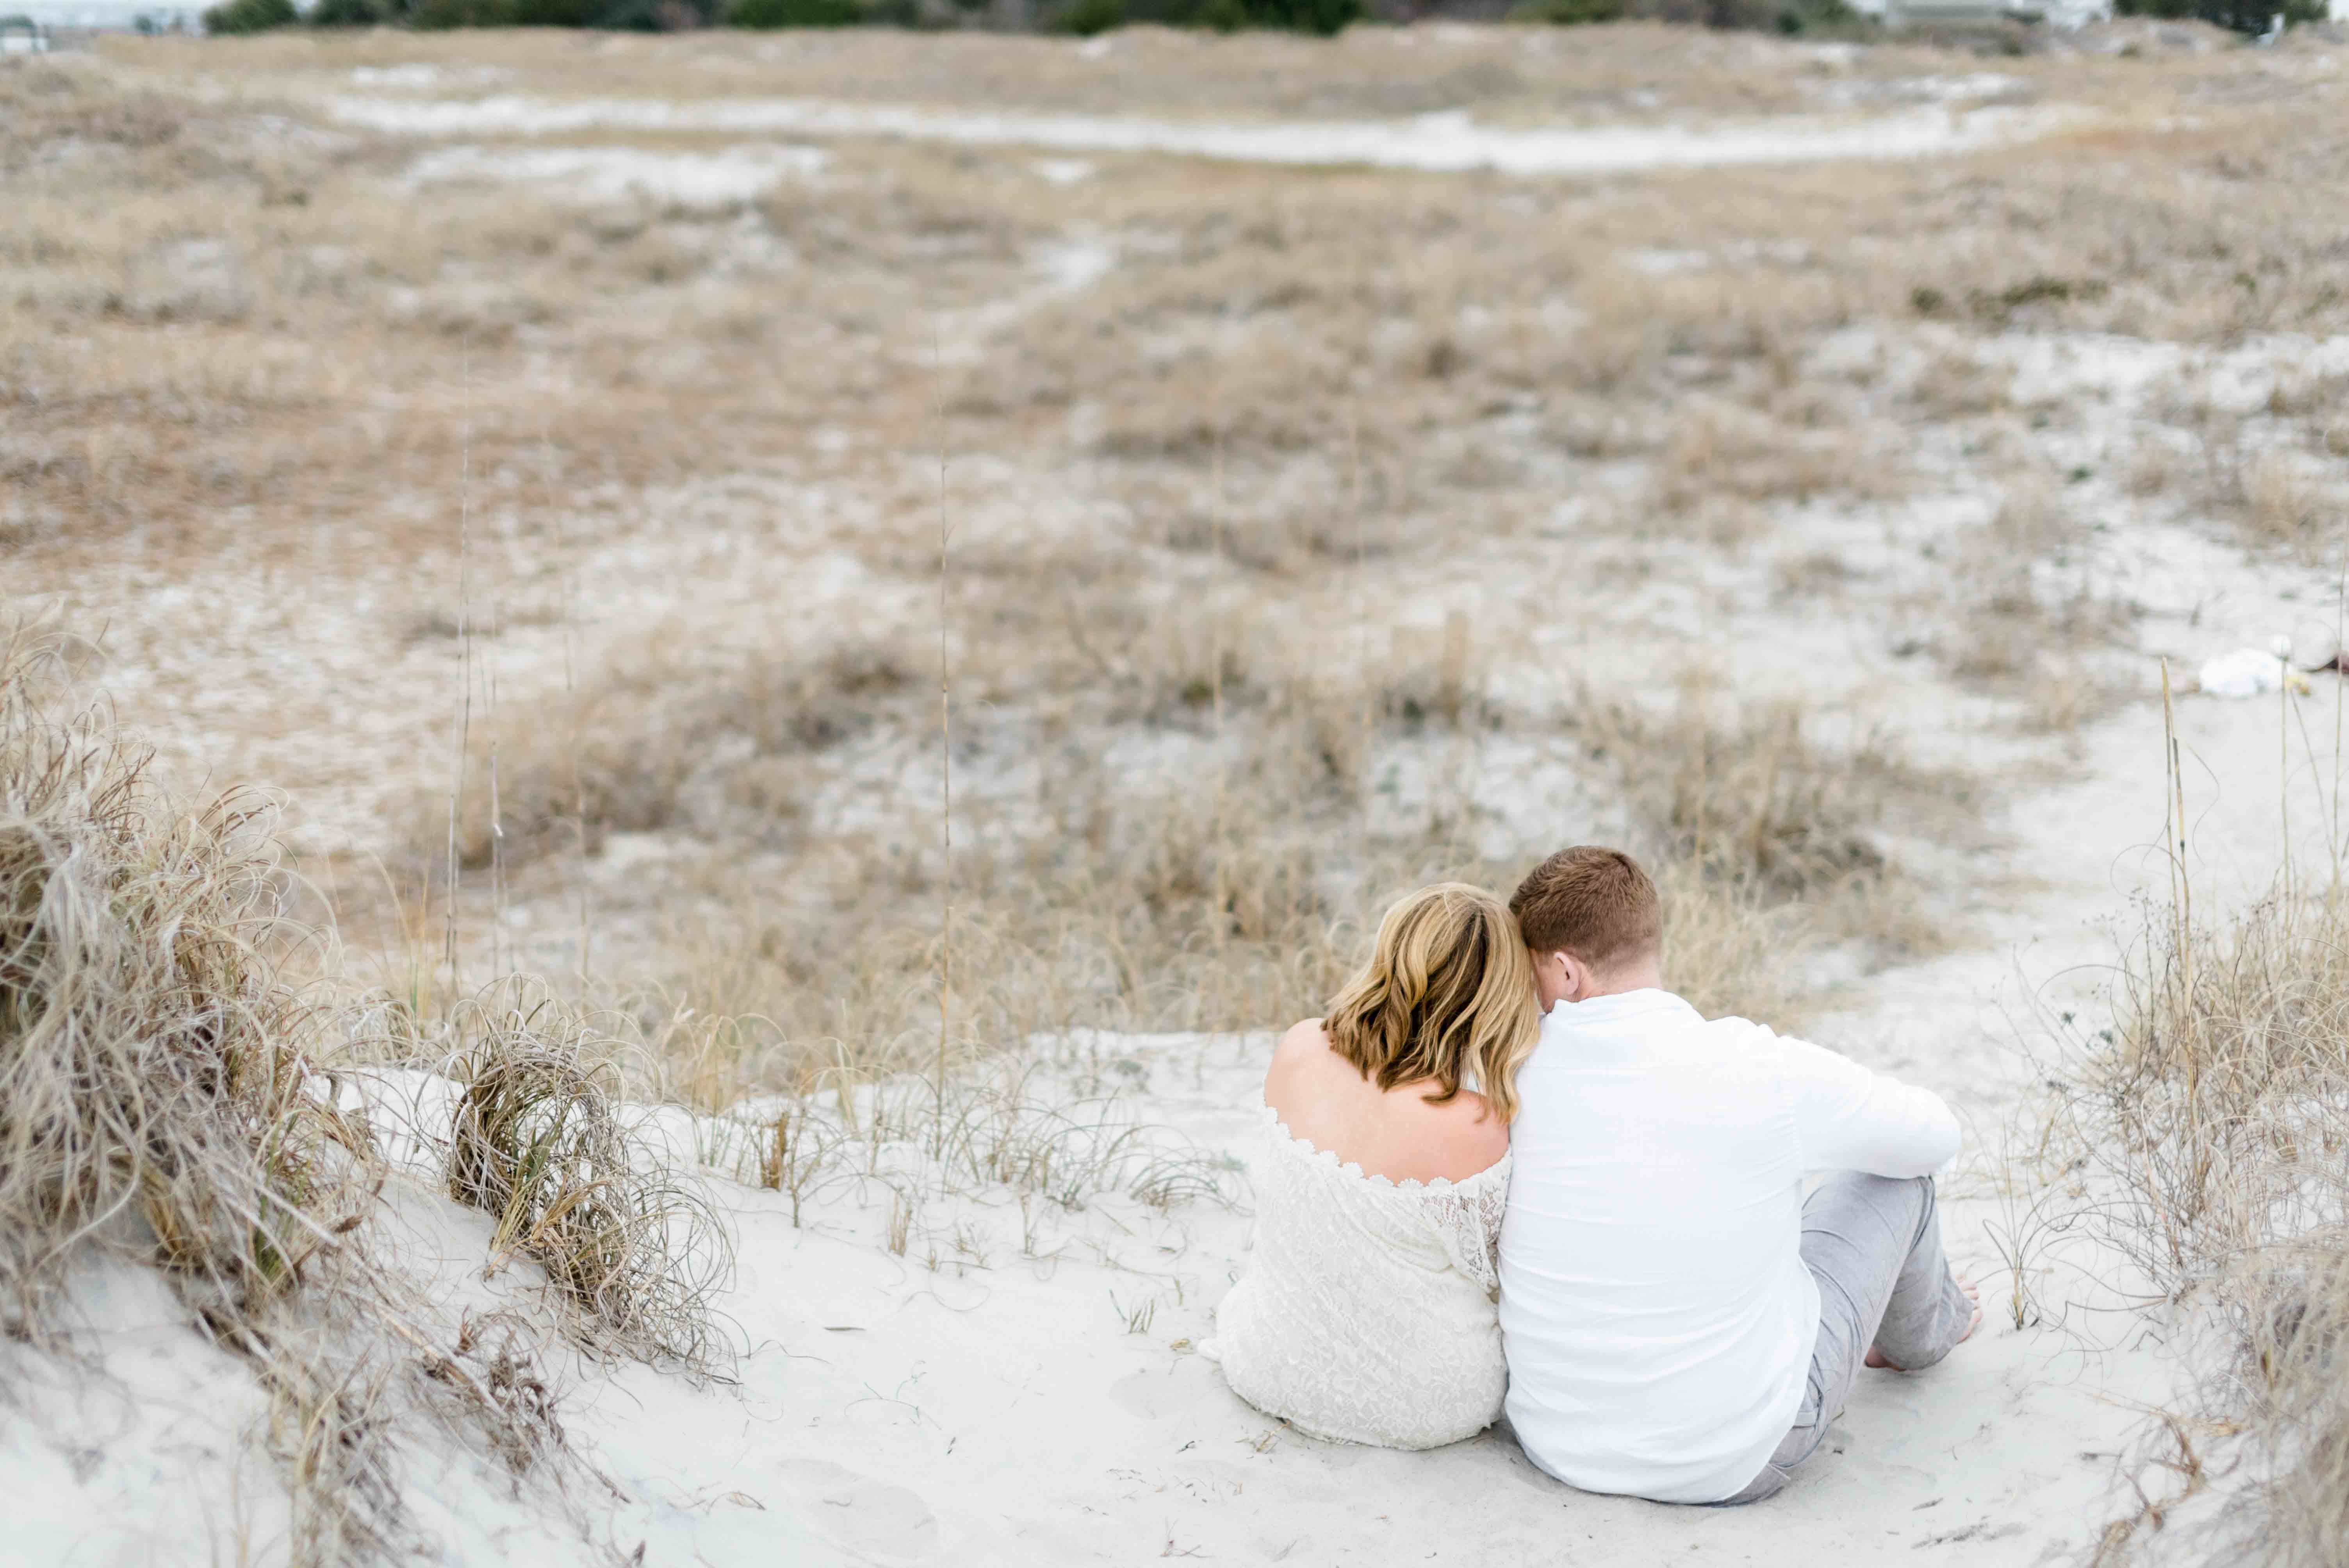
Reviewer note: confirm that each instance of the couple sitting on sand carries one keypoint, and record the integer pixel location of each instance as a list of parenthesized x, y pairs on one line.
[(1607, 1237)]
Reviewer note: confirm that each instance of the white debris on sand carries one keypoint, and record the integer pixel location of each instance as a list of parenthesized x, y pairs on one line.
[(1061, 171), (1077, 265), (594, 174), (422, 76), (1969, 89), (2250, 672), (1435, 142)]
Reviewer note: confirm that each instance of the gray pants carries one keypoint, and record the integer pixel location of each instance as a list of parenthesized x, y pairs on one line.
[(1875, 1246)]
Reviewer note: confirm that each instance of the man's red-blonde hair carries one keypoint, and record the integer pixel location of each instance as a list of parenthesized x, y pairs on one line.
[(1594, 903)]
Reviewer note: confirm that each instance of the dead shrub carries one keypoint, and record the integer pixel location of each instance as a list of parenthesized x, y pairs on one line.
[(2298, 1343), (1193, 423), (1434, 681), (538, 1142), (2029, 618), (1758, 808), (165, 1092), (1718, 456), (148, 1064), (2203, 1139), (1813, 576), (1731, 953), (2156, 468), (2286, 507), (618, 756), (1953, 384)]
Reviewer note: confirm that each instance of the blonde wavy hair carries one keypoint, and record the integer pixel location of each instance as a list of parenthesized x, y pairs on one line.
[(1448, 992)]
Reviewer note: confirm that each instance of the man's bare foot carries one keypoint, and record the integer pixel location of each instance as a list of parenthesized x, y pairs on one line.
[(1874, 1357)]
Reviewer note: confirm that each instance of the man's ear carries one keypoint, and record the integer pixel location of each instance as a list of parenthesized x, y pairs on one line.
[(1584, 979), (1574, 975)]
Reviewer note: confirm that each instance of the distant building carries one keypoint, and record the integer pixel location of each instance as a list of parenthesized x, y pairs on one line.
[(2055, 13)]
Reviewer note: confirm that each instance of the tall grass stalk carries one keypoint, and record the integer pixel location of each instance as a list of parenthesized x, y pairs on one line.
[(946, 755), (570, 699), (1361, 625), (464, 746), (1220, 890)]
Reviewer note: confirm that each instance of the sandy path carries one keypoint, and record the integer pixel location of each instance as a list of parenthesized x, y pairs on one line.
[(1436, 142), (1005, 1418)]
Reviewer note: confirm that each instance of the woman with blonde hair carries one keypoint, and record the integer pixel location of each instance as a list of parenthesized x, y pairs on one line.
[(1366, 1314)]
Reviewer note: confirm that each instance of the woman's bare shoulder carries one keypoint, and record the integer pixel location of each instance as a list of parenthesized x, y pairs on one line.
[(1295, 1057), (1301, 1050), (1451, 1142), (1469, 1137), (1301, 1037)]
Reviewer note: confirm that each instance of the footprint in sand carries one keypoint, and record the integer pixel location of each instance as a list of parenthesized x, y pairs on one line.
[(861, 1514), (1155, 1396)]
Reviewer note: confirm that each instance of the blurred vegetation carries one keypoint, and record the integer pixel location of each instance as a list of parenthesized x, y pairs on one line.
[(1086, 18), (2248, 17), (766, 14), (1788, 16), (249, 15)]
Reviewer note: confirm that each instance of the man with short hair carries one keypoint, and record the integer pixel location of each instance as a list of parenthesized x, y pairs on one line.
[(1681, 1323)]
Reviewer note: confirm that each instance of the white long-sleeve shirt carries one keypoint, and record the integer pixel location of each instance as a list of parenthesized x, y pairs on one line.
[(1656, 1315)]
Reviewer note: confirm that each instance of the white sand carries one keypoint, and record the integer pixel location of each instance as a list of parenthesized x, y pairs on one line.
[(616, 173), (1450, 141), (995, 1410)]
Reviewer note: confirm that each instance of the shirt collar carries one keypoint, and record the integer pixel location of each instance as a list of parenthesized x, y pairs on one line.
[(1623, 1004)]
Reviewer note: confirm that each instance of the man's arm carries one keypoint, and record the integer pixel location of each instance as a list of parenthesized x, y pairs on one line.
[(1851, 1118)]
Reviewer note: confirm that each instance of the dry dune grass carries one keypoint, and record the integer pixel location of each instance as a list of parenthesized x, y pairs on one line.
[(2036, 621), (159, 350), (152, 1085), (1284, 386), (2268, 469), (156, 1095), (170, 1094), (537, 1143), (1287, 393), (1272, 324), (167, 1093), (1217, 875), (2215, 1120), (1756, 803), (2201, 1138)]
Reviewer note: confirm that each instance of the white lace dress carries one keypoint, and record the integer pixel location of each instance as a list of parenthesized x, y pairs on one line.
[(1366, 1314)]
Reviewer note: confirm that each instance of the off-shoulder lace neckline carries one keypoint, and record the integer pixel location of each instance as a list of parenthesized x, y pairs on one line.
[(1408, 1184)]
